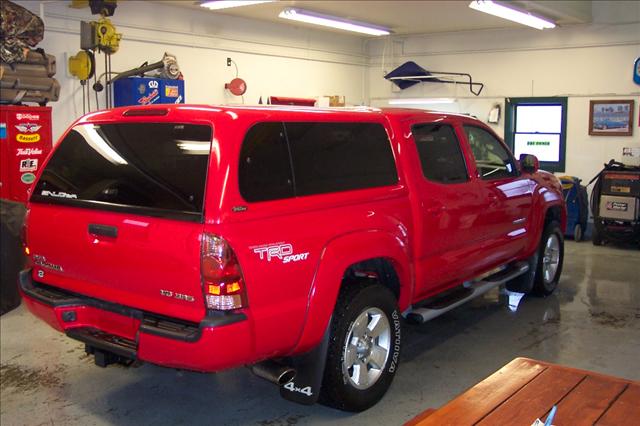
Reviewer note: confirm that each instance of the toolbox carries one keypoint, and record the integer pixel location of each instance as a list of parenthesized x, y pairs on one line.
[(25, 141)]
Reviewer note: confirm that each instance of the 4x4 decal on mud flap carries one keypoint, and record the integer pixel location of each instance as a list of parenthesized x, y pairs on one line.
[(292, 387), (281, 251)]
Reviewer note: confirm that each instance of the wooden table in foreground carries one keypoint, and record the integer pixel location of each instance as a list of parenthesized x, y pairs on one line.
[(526, 389)]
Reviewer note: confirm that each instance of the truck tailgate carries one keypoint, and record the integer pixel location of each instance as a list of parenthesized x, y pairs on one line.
[(117, 214), (152, 264)]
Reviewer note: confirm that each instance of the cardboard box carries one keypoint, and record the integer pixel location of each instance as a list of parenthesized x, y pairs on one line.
[(336, 101)]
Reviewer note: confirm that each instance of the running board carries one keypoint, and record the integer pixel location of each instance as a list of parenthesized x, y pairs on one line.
[(474, 289)]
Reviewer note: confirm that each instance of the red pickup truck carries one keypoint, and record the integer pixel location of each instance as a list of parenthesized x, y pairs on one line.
[(290, 240)]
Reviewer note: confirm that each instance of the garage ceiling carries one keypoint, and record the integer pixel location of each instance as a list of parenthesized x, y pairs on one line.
[(411, 17)]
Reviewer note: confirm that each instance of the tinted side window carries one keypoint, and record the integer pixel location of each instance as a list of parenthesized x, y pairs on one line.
[(492, 158), (329, 157), (440, 153), (265, 170)]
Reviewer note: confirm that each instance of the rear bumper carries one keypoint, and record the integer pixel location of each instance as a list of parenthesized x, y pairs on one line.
[(216, 343)]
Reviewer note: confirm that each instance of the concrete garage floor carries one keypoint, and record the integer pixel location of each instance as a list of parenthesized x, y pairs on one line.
[(592, 322)]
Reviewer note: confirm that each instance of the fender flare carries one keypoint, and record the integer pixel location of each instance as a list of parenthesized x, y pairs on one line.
[(336, 257), (544, 201)]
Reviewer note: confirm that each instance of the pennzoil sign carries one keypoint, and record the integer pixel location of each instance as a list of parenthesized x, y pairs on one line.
[(21, 137)]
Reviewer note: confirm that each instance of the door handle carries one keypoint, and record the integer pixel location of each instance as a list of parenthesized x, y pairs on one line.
[(103, 230)]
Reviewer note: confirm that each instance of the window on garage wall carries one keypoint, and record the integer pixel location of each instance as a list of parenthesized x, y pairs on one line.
[(538, 126)]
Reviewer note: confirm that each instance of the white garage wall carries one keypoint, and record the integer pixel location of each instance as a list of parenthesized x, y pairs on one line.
[(273, 59), (580, 62)]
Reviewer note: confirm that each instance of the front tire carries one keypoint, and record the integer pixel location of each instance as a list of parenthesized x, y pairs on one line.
[(364, 347), (550, 259)]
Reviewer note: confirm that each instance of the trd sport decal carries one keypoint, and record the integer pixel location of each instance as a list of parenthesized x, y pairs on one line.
[(279, 251)]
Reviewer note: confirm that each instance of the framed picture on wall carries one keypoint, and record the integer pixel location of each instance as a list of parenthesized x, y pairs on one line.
[(611, 118)]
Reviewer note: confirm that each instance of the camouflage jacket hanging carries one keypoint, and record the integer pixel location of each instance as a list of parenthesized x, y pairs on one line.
[(19, 30)]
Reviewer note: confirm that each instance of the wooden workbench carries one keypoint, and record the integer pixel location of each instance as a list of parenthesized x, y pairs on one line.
[(526, 389)]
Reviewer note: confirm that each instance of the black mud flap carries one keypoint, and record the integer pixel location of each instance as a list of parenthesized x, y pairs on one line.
[(305, 387)]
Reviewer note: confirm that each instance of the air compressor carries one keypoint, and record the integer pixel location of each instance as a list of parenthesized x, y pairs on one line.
[(615, 203)]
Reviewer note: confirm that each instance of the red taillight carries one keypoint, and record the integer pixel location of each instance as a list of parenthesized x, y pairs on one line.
[(222, 279)]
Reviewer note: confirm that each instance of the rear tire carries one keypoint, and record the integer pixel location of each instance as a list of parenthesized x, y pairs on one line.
[(550, 258), (364, 347)]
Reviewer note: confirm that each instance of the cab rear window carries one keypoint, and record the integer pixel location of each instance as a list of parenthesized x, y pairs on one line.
[(158, 169)]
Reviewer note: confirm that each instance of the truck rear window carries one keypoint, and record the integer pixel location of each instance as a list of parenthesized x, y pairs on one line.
[(158, 169)]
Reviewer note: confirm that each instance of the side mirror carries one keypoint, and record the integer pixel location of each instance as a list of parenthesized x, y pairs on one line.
[(529, 163)]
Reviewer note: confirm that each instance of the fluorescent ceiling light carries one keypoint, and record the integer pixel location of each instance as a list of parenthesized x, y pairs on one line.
[(93, 138), (493, 8), (226, 4), (421, 101), (332, 22), (194, 147)]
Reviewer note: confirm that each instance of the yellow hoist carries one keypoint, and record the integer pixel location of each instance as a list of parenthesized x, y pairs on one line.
[(95, 37)]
